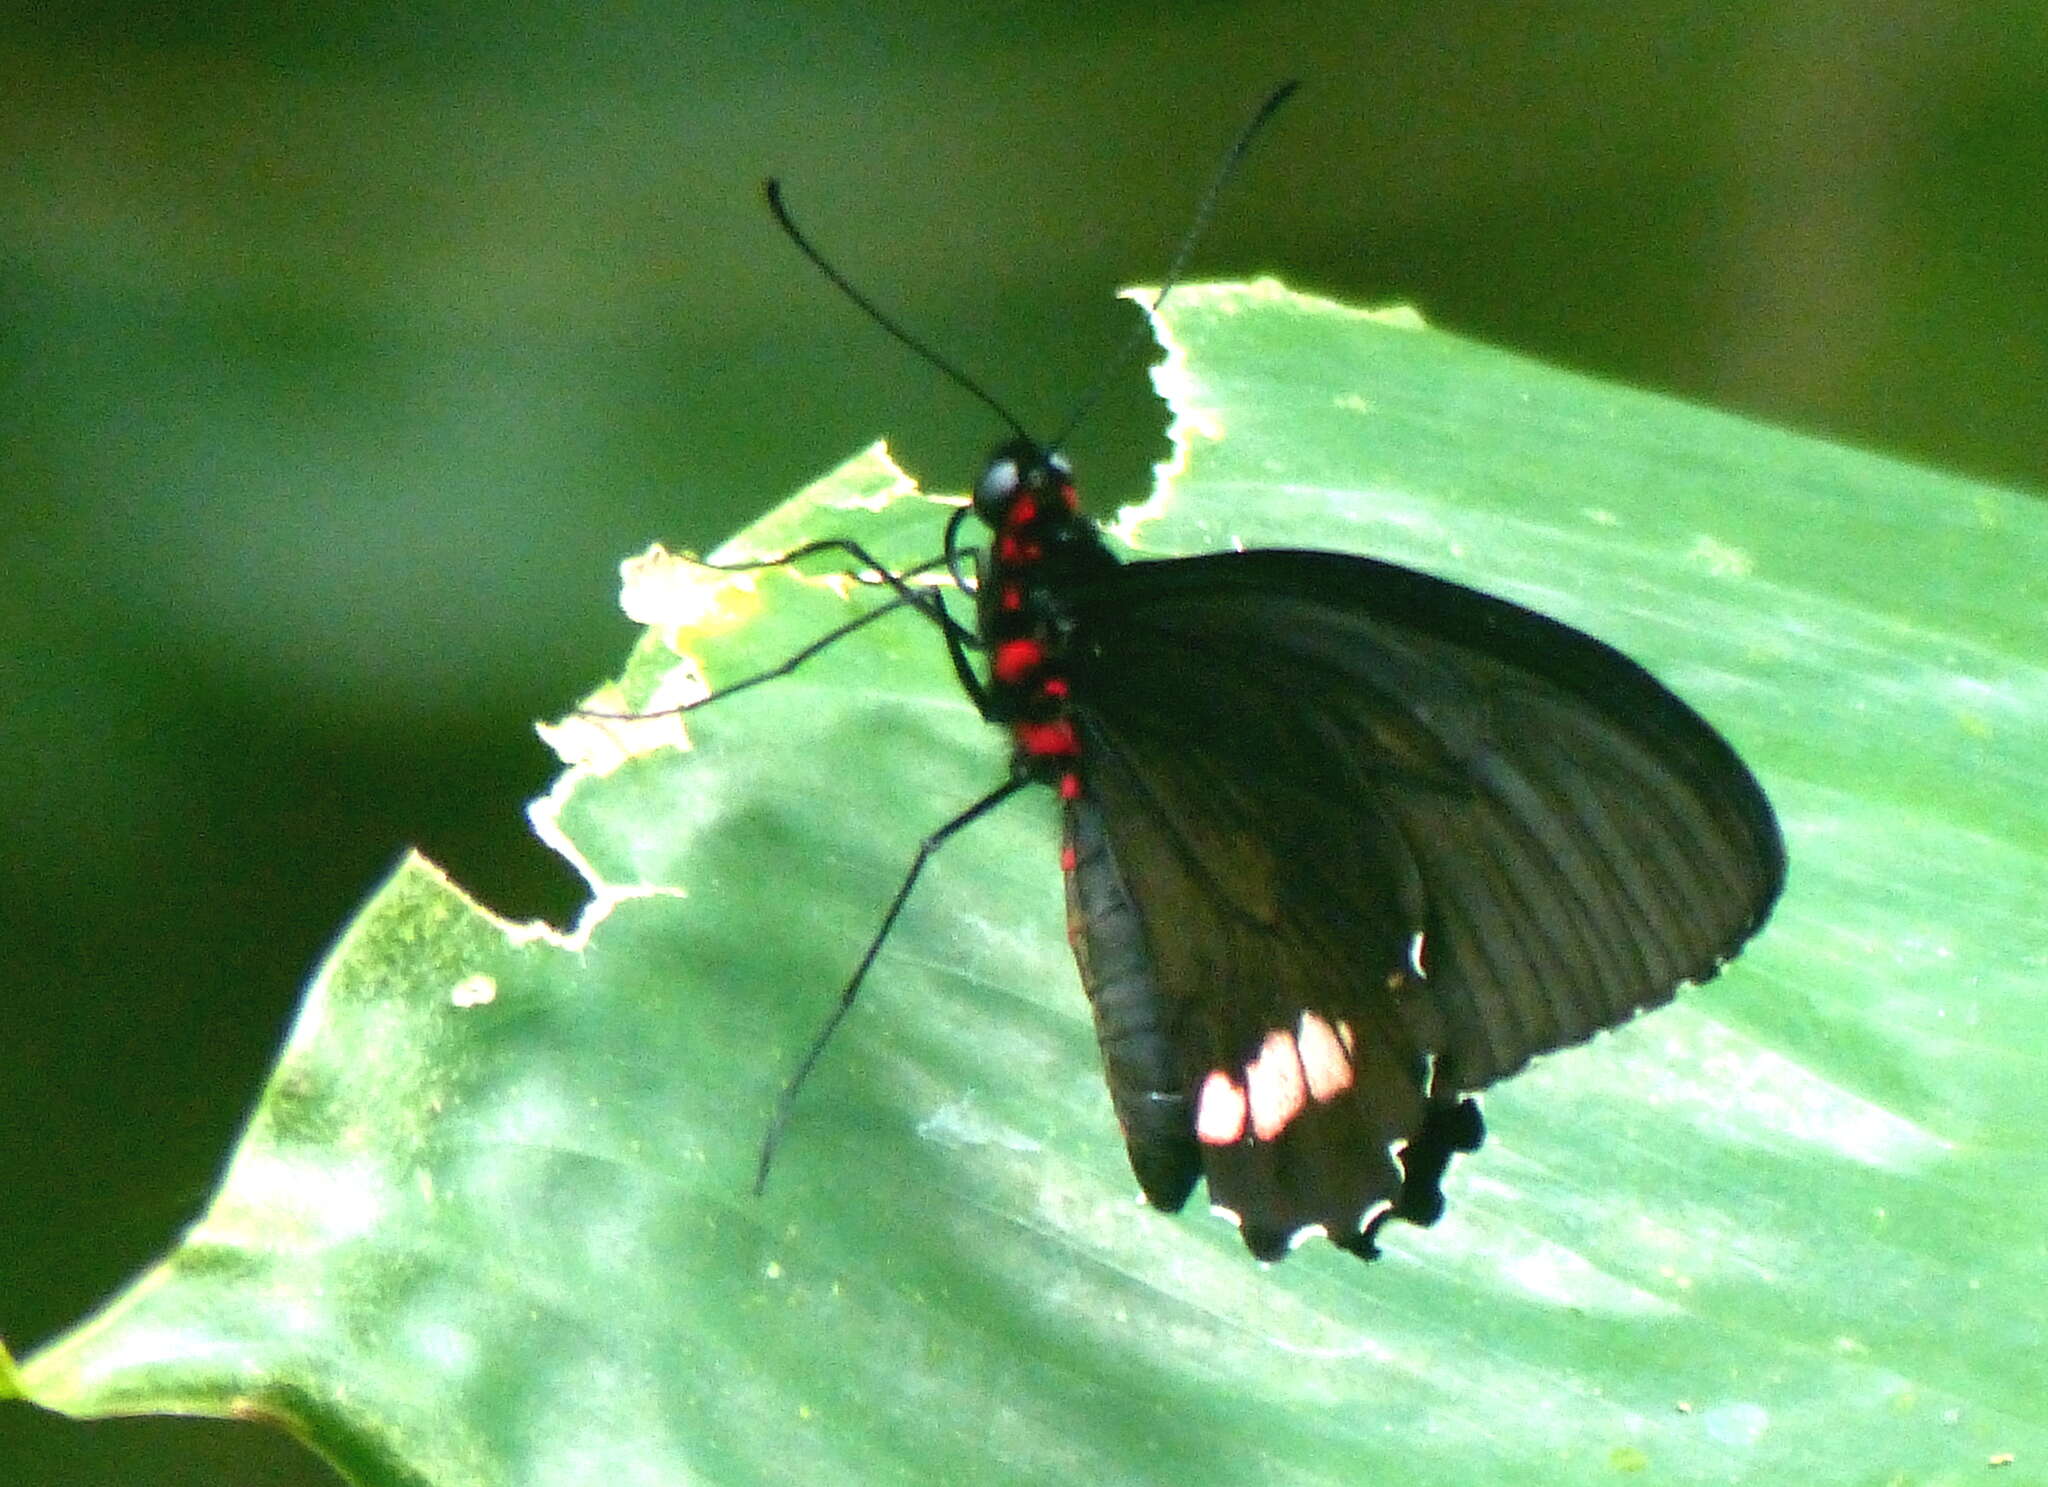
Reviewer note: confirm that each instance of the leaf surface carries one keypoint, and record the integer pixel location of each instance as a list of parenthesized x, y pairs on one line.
[(491, 1223)]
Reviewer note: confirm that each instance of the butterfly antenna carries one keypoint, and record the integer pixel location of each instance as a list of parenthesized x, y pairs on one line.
[(773, 190), (1204, 210)]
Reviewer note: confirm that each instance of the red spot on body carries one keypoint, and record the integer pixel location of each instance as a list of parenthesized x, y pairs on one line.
[(1023, 511), (1017, 659), (1008, 548), (1012, 597), (1070, 497), (1068, 858), (1055, 686), (1052, 739), (1070, 786)]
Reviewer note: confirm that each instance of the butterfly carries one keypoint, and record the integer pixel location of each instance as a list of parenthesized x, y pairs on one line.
[(1344, 843)]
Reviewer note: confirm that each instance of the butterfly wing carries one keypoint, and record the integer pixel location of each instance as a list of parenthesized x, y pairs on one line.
[(1353, 841)]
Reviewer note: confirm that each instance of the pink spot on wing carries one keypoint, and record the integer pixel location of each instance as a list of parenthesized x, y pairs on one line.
[(1325, 1058), (1220, 1110), (1275, 1085)]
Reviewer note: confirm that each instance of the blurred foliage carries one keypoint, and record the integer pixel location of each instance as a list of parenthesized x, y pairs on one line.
[(344, 349)]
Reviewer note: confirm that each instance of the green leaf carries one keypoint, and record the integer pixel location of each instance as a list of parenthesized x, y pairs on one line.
[(491, 1221)]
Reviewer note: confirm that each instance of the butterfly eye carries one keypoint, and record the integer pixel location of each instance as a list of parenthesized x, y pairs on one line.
[(996, 488)]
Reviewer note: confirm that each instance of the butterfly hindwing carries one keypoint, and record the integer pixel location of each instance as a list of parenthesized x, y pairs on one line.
[(1278, 966)]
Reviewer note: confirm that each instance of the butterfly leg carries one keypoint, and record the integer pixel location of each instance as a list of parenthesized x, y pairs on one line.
[(786, 1102), (781, 668), (928, 605), (870, 570)]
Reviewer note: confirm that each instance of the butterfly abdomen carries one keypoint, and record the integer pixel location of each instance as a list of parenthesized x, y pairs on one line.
[(1131, 1020)]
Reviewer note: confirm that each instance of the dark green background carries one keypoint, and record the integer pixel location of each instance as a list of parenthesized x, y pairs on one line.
[(346, 349)]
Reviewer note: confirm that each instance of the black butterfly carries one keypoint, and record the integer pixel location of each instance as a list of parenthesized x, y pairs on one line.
[(1344, 842)]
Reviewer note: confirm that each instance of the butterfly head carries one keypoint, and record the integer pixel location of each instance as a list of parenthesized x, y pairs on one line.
[(1020, 472)]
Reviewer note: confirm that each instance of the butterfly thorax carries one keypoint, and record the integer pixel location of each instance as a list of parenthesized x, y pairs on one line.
[(1040, 548)]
